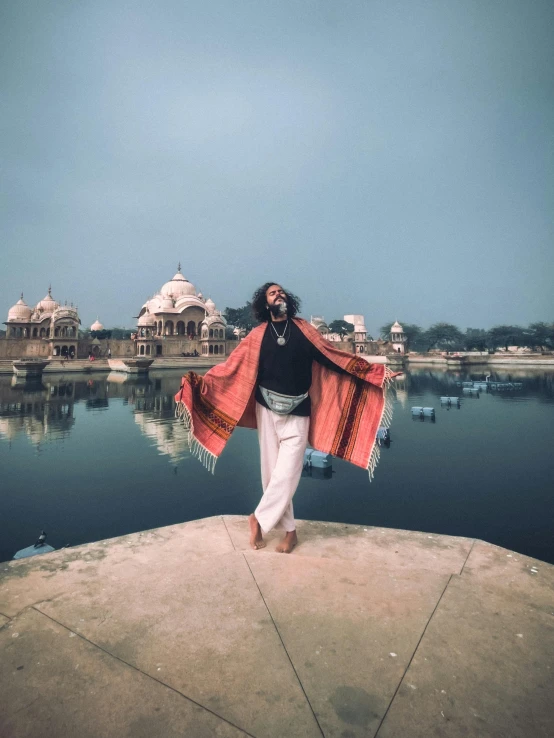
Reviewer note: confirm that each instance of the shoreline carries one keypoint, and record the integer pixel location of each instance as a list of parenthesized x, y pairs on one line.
[(84, 366), (492, 360)]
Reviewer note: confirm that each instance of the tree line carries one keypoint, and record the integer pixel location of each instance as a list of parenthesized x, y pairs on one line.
[(115, 333), (449, 337), (443, 336)]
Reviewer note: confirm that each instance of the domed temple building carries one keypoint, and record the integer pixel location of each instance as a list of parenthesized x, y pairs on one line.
[(46, 330), (398, 338), (179, 321)]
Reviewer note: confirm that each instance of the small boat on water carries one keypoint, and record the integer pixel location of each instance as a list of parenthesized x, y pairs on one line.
[(488, 384), (423, 412)]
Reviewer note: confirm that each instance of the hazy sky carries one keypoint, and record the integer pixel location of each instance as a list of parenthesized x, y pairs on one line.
[(387, 158)]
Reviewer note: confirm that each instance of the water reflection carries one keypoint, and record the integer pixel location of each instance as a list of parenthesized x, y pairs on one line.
[(152, 404), (535, 383), (154, 412), (43, 411), (477, 471)]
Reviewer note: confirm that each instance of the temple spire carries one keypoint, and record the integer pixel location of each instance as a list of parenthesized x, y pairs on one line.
[(179, 267)]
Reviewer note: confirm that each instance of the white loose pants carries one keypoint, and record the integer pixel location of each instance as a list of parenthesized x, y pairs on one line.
[(283, 440)]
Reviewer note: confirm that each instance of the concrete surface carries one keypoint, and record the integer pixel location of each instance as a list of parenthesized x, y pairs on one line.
[(185, 631)]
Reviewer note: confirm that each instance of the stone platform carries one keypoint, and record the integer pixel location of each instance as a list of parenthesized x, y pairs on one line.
[(184, 631)]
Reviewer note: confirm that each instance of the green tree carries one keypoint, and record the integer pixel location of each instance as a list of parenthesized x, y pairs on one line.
[(242, 317), (384, 331), (101, 334), (541, 335), (443, 335), (476, 339), (342, 327), (506, 335), (121, 333)]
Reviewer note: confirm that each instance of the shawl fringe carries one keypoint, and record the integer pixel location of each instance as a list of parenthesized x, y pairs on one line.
[(386, 419), (205, 457)]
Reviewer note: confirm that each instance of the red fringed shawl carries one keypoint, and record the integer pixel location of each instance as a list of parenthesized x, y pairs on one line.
[(346, 410)]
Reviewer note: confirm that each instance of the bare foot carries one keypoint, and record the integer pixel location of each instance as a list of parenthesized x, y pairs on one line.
[(288, 543), (256, 540)]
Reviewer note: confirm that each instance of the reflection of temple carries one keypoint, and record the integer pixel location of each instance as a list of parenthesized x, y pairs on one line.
[(178, 320), (43, 412), (154, 413), (170, 438), (49, 329)]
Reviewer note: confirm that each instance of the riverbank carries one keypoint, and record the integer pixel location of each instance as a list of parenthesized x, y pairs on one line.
[(59, 366), (84, 366), (361, 631), (490, 360)]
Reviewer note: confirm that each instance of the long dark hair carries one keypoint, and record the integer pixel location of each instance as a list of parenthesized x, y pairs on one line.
[(259, 303)]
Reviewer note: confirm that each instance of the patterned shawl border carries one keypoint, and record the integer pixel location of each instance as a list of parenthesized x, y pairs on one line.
[(357, 397), (216, 420), (373, 373), (349, 424), (200, 416)]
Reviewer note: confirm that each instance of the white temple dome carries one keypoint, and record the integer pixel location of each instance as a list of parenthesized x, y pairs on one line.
[(211, 319), (97, 326), (20, 311), (210, 305), (47, 304), (166, 303), (396, 328), (146, 319), (178, 286)]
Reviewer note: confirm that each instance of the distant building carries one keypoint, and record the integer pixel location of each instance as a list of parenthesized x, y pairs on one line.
[(357, 341), (48, 329), (178, 320), (398, 338), (359, 336), (318, 322)]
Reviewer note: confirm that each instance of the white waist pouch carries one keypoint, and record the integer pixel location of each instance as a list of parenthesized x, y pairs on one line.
[(281, 404)]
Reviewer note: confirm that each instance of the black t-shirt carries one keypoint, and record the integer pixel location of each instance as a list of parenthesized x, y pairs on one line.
[(288, 369)]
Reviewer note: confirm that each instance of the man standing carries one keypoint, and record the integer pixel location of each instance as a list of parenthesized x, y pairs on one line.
[(282, 411), (292, 385)]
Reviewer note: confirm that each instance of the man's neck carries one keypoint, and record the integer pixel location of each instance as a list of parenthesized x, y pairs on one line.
[(279, 319)]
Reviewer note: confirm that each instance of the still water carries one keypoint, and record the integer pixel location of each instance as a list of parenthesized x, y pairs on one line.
[(88, 457)]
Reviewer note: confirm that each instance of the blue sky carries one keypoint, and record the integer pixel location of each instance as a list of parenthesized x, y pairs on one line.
[(387, 158)]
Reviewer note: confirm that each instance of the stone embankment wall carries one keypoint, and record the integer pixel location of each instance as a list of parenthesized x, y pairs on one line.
[(122, 347), (23, 348)]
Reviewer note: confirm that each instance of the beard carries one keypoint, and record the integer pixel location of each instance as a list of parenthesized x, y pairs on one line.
[(279, 309)]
